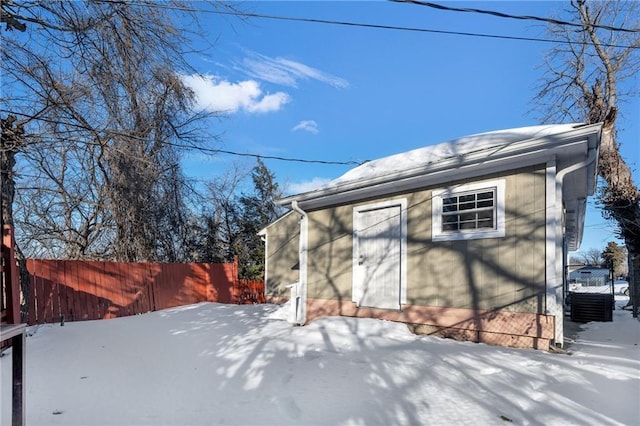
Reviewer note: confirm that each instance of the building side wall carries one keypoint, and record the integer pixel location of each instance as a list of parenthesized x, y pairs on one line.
[(493, 273), (330, 253), (486, 274), (283, 240)]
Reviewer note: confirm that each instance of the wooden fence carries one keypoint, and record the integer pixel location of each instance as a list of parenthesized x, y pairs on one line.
[(69, 290), (9, 283), (10, 289), (12, 332)]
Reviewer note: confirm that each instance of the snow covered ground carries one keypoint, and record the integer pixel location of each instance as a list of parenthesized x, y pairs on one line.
[(225, 364), (620, 287)]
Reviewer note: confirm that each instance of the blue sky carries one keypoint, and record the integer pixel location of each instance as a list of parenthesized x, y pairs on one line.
[(342, 93)]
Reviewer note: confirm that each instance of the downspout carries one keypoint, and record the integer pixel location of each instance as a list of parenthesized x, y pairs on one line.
[(553, 307), (300, 302)]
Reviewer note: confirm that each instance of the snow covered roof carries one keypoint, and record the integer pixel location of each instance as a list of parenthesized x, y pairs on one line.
[(421, 158), (473, 156), (476, 154)]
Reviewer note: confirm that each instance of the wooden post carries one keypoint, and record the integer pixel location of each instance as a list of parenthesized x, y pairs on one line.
[(17, 334), (18, 357)]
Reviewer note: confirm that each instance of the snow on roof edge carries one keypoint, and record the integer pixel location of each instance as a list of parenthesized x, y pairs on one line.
[(419, 160), (459, 147)]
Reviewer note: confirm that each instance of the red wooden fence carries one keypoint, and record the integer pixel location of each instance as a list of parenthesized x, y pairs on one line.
[(70, 290), (9, 284), (12, 331), (10, 290)]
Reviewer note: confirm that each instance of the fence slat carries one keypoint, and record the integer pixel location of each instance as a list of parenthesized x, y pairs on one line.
[(157, 282), (115, 296), (81, 290), (148, 276), (73, 274), (87, 277), (120, 275), (63, 308), (98, 283), (42, 297), (32, 267), (47, 289), (79, 312), (50, 281)]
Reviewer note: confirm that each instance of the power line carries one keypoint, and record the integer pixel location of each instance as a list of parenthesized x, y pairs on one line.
[(266, 157), (373, 26), (520, 17), (195, 147), (381, 27)]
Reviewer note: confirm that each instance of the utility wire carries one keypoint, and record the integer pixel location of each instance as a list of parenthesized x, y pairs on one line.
[(521, 17), (269, 157), (373, 26), (206, 150)]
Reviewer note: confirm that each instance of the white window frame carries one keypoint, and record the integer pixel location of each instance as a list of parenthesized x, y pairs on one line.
[(498, 231)]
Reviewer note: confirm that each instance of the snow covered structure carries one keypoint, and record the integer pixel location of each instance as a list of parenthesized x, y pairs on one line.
[(466, 239), (590, 276)]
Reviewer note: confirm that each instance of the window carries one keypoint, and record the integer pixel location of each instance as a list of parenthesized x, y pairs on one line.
[(469, 212), (473, 210)]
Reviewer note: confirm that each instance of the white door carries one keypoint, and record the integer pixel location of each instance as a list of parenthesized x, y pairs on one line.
[(377, 257)]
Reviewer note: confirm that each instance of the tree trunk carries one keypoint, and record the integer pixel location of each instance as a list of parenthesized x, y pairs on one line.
[(634, 293), (585, 70), (621, 198), (11, 142)]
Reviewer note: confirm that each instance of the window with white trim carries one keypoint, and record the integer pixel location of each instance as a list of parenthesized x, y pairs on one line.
[(469, 212)]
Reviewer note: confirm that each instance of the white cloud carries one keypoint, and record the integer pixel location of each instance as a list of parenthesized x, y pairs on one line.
[(315, 183), (217, 95), (307, 125), (268, 103), (285, 72)]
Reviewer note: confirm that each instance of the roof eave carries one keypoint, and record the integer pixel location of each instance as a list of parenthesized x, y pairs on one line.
[(575, 228), (401, 183), (494, 159)]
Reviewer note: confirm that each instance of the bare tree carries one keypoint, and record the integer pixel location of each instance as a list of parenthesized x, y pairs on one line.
[(224, 220), (104, 77), (93, 100), (12, 141), (592, 257), (576, 260), (60, 209), (236, 211), (588, 75)]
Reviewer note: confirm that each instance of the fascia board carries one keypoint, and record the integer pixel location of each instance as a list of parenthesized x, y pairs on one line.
[(421, 181)]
